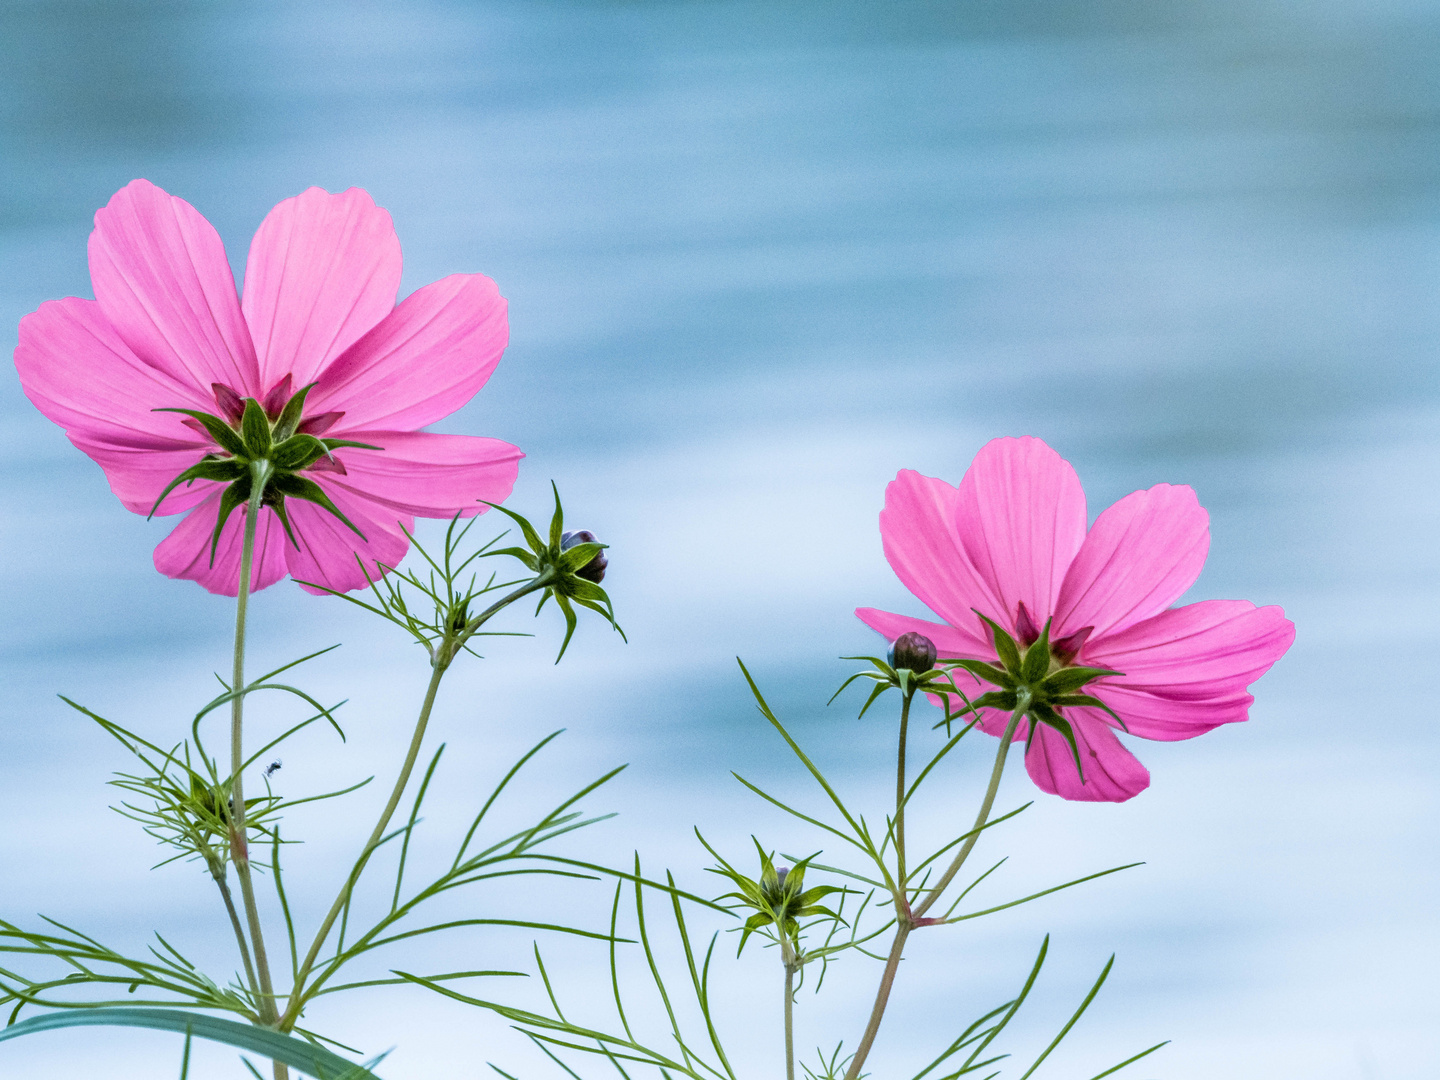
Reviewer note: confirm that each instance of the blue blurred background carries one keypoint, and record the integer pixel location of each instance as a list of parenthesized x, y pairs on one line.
[(759, 256)]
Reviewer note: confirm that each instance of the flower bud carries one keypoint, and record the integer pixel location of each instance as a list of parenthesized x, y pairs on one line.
[(594, 570), (913, 651)]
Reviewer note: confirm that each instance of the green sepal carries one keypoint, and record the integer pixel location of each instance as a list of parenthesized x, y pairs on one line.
[(1094, 703), (996, 699), (807, 899), (237, 494), (880, 688), (336, 444), (581, 590), (297, 452), (276, 502), (220, 431), (1037, 658), (1049, 717), (570, 621), (255, 430), (524, 556), (989, 672), (225, 470), (1005, 646), (1067, 680), (557, 520), (297, 487), (289, 418), (527, 530), (572, 559)]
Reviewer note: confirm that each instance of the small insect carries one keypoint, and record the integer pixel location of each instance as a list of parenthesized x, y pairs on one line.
[(273, 768)]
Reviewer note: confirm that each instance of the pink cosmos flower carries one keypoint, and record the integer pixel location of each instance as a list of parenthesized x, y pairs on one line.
[(1011, 544), (166, 331)]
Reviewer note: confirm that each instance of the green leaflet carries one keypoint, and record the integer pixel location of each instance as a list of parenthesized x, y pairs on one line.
[(308, 1058)]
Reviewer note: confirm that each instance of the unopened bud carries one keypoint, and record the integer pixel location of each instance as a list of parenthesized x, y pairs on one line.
[(594, 570), (913, 651)]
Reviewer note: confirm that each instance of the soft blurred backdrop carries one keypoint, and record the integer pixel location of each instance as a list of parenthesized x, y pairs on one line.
[(759, 256)]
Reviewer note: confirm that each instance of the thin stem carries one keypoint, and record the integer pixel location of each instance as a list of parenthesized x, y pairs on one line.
[(239, 847), (907, 920), (217, 871), (902, 896), (984, 815), (882, 998), (444, 652), (789, 1022)]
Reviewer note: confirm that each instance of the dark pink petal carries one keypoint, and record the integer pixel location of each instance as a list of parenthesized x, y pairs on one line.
[(1187, 669), (1020, 516), (162, 280), (923, 548), (185, 553), (323, 269), (427, 358), (417, 472), (1111, 772), (1138, 558), (328, 550)]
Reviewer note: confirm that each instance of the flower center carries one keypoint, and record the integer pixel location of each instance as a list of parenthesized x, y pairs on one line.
[(1064, 652), (262, 447)]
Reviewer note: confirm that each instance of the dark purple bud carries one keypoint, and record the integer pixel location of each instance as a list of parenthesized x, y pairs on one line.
[(232, 405), (1068, 647), (594, 570), (913, 651), (1026, 632), (275, 400)]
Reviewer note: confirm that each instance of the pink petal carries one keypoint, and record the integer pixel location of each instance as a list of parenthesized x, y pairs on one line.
[(1111, 772), (138, 476), (80, 374), (950, 642), (427, 358), (923, 548), (323, 269), (162, 279), (416, 472), (1020, 516), (328, 549), (1187, 669), (185, 553), (1138, 558)]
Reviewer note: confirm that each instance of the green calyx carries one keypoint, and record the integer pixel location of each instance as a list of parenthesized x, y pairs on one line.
[(260, 457), (561, 568), (779, 898), (887, 676), (1040, 681)]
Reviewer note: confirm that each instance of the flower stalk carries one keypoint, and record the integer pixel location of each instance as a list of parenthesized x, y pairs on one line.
[(907, 920), (442, 654), (239, 846)]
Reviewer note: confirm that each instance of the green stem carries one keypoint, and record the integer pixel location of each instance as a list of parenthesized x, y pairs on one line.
[(984, 815), (217, 871), (789, 1021), (239, 847), (444, 652), (902, 896), (906, 921)]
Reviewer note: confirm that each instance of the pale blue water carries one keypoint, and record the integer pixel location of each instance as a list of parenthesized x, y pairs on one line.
[(759, 257)]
